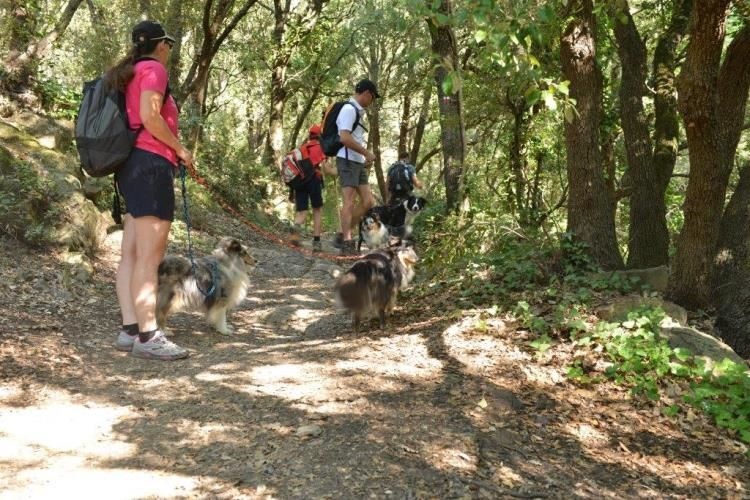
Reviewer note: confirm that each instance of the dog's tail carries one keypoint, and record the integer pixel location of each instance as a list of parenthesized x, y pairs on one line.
[(353, 291)]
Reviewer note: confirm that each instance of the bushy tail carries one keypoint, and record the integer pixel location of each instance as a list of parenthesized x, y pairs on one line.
[(353, 291)]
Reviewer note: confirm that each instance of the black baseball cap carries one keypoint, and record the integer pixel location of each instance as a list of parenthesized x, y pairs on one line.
[(365, 85), (150, 31)]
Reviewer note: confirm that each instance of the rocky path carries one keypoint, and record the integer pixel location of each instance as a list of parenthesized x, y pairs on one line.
[(296, 406)]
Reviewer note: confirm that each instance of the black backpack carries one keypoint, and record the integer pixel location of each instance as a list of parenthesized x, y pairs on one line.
[(103, 135), (399, 178), (330, 141)]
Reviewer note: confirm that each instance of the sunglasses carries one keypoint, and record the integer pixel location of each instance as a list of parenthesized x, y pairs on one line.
[(170, 43)]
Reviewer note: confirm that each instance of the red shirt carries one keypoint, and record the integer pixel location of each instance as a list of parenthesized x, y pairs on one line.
[(151, 75)]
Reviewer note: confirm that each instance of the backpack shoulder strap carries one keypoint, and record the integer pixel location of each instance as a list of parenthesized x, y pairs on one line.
[(356, 117)]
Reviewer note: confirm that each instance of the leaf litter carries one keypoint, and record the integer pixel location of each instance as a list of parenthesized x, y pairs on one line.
[(297, 406)]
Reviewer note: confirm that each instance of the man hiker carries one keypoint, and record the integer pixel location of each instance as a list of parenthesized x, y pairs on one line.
[(351, 160), (401, 179)]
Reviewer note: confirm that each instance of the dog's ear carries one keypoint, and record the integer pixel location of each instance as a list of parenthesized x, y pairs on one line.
[(234, 246), (408, 256)]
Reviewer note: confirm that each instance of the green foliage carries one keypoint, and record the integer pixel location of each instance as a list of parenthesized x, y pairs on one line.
[(59, 100), (531, 321), (725, 397), (27, 199), (640, 359)]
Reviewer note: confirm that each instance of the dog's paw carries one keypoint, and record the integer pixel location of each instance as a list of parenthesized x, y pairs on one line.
[(226, 331)]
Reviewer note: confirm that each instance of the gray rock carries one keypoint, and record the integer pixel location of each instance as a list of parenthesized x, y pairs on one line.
[(79, 267), (61, 215), (309, 431), (702, 345), (618, 310), (654, 277)]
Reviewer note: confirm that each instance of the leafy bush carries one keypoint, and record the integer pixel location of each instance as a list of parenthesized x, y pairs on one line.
[(58, 100), (644, 361), (27, 199)]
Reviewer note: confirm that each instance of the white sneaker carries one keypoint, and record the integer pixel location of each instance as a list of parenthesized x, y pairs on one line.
[(125, 341), (159, 347)]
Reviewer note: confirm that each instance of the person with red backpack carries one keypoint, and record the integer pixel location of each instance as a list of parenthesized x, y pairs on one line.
[(311, 192)]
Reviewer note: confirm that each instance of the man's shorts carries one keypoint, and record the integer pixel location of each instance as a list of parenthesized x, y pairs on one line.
[(351, 173), (146, 181), (311, 191)]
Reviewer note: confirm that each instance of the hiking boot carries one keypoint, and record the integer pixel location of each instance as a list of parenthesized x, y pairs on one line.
[(338, 241), (159, 347), (294, 238), (348, 248), (125, 341), (317, 246)]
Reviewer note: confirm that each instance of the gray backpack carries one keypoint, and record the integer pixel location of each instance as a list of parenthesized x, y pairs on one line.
[(104, 138), (103, 135)]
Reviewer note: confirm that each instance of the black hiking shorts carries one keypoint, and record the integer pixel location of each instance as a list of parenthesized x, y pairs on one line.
[(146, 181), (311, 193)]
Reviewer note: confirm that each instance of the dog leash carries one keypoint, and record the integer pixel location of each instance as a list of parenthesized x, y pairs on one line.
[(214, 269)]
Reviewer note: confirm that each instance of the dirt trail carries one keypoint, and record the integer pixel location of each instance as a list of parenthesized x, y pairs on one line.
[(296, 406)]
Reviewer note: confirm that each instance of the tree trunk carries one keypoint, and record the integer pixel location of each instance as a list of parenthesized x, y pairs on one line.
[(278, 83), (450, 104), (403, 126), (25, 51), (278, 102), (732, 290), (374, 145), (732, 274), (590, 214), (304, 113), (733, 87), (144, 8), (648, 239), (195, 87), (517, 157), (283, 54), (690, 281), (174, 25), (666, 121), (424, 112)]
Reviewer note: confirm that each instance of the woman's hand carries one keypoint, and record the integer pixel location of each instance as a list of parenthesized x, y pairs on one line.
[(185, 156)]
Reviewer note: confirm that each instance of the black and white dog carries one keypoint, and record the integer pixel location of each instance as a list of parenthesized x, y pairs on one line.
[(182, 288), (372, 284), (399, 217)]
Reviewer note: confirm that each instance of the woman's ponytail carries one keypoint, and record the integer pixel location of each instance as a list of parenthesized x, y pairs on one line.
[(121, 73)]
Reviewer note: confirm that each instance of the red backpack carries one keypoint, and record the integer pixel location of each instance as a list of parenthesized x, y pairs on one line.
[(296, 169)]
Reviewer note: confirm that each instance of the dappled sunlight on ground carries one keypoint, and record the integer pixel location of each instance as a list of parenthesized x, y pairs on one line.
[(62, 447), (295, 405)]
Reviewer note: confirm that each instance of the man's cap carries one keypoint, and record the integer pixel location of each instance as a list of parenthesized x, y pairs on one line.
[(315, 129), (149, 31), (365, 85)]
